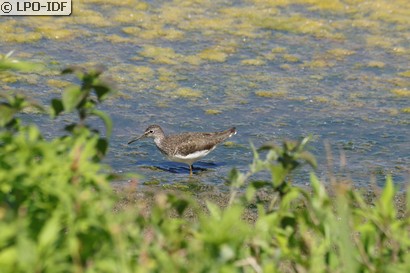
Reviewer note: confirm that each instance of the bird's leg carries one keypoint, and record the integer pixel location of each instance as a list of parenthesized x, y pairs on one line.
[(190, 169)]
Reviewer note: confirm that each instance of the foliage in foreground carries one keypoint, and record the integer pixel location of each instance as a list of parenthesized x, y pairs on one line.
[(56, 210)]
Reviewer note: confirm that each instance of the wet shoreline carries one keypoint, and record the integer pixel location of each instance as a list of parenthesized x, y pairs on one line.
[(132, 196)]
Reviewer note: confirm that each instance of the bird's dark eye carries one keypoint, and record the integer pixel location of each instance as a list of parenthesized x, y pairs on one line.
[(151, 131)]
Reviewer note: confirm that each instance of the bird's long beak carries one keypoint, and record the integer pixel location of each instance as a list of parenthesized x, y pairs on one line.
[(136, 138)]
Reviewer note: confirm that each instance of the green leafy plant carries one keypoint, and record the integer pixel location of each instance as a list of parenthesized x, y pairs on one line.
[(80, 99), (55, 201), (12, 105), (8, 63), (311, 231)]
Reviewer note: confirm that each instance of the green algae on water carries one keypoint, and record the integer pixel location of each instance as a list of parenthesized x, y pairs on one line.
[(213, 112), (401, 92), (187, 92), (213, 54), (255, 62)]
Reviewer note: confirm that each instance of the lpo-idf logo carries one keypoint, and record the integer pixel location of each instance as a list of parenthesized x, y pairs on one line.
[(35, 7)]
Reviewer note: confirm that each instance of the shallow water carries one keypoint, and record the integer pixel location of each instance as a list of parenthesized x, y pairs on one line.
[(338, 71)]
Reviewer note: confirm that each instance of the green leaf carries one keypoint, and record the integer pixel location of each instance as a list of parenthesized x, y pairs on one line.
[(106, 119), (250, 193), (72, 97), (226, 253), (77, 70), (49, 233), (11, 64), (278, 174), (309, 158), (214, 210), (102, 145), (258, 165), (56, 107), (318, 189), (348, 251), (178, 203), (386, 201), (9, 257), (102, 91), (288, 221), (70, 128), (233, 176), (7, 114)]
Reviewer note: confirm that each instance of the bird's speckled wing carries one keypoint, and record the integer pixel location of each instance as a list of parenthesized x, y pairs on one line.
[(188, 143)]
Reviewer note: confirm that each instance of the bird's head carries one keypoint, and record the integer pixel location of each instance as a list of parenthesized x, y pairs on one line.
[(153, 131)]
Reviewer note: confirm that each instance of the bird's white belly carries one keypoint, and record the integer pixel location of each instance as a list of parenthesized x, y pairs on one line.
[(191, 158)]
